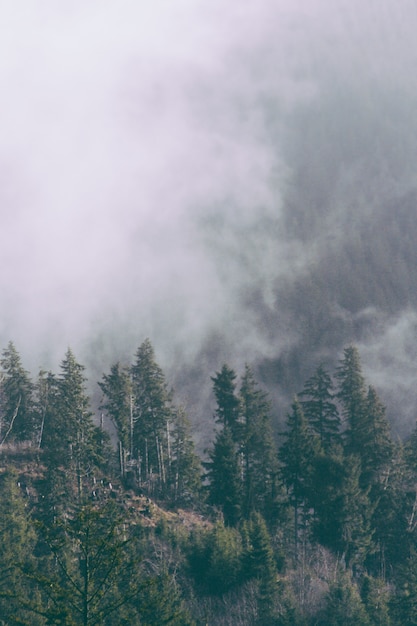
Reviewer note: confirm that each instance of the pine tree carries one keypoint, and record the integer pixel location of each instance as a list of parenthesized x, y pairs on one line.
[(354, 516), (320, 409), (298, 454), (227, 410), (17, 415), (259, 456), (152, 414), (118, 403), (352, 396), (70, 436), (93, 570), (224, 475), (259, 563), (377, 447), (186, 470)]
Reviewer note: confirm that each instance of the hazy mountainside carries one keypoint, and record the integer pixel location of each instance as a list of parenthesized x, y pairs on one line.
[(238, 184)]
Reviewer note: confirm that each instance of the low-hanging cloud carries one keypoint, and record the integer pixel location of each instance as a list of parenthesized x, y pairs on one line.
[(179, 169)]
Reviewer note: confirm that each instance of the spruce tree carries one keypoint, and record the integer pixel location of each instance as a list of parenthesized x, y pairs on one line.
[(224, 475), (185, 469), (297, 455), (320, 409), (352, 395), (118, 403), (260, 463), (227, 409), (152, 414), (259, 563), (70, 436)]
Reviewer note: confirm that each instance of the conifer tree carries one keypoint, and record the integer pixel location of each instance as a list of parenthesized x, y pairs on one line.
[(70, 436), (17, 415), (377, 447), (352, 395), (152, 414), (320, 409), (185, 470), (118, 403), (227, 409), (298, 454), (259, 563), (259, 456), (224, 474)]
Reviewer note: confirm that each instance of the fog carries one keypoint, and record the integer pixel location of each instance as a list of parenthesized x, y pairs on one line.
[(235, 181)]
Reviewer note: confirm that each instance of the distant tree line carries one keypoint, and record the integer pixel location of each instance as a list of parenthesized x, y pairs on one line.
[(314, 527)]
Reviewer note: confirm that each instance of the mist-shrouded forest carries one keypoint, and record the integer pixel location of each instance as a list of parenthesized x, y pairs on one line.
[(134, 526), (236, 183)]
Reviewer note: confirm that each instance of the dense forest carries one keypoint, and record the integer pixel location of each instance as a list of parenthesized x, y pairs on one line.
[(314, 527)]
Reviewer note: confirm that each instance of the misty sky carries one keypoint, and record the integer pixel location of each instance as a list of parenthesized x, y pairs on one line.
[(149, 151)]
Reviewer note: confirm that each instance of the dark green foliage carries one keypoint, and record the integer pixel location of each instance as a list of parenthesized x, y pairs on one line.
[(298, 454), (375, 596), (185, 467), (224, 474), (377, 448), (227, 410), (152, 414), (107, 556), (320, 409), (259, 563), (118, 403), (91, 553), (344, 605), (17, 542), (215, 558), (17, 415), (404, 602), (69, 434), (159, 602), (260, 463), (352, 395)]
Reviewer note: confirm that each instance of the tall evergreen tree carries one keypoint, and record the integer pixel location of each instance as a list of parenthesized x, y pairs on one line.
[(152, 414), (224, 475), (352, 395), (259, 563), (298, 454), (186, 470), (260, 462), (17, 414), (227, 409), (377, 448), (320, 409), (118, 402), (70, 436)]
